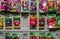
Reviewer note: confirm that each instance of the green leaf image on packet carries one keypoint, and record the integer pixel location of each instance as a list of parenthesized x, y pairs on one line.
[(58, 21), (8, 35)]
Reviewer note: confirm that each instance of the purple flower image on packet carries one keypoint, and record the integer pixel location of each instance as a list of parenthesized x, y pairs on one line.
[(6, 7)]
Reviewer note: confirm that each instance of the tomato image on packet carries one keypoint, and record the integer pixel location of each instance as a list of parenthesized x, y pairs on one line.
[(42, 35), (1, 23), (16, 21), (41, 21), (33, 6), (8, 22), (33, 21), (25, 5), (33, 35), (51, 21)]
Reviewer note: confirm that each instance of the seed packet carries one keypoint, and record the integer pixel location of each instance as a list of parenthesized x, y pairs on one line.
[(24, 5), (58, 6), (2, 35), (50, 36), (41, 21), (33, 21), (16, 21), (52, 6), (58, 21), (33, 35), (2, 6), (1, 22), (25, 21), (42, 35), (25, 36), (42, 6), (15, 35), (8, 35), (5, 5), (33, 6), (15, 6), (8, 22), (51, 20)]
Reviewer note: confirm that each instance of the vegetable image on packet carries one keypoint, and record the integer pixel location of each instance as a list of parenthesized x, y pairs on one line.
[(50, 36), (33, 6), (42, 35), (24, 5), (8, 35), (1, 23), (15, 35), (15, 6), (8, 22), (58, 21), (41, 21), (33, 35), (33, 21), (58, 6), (42, 6), (16, 21), (51, 21), (52, 6)]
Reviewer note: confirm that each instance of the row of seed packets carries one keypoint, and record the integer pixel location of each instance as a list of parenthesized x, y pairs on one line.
[(30, 5), (7, 22), (35, 22), (29, 35)]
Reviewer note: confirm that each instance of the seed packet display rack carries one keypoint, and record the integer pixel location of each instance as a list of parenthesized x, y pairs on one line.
[(36, 16)]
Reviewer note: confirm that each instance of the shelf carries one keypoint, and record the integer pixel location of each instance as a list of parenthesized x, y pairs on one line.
[(16, 30)]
